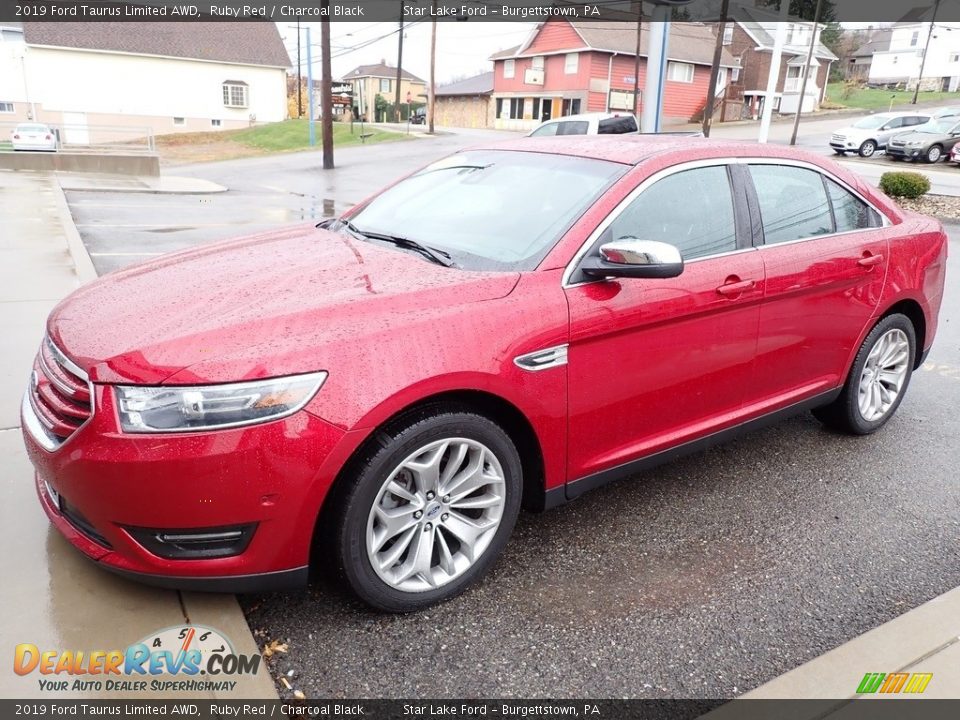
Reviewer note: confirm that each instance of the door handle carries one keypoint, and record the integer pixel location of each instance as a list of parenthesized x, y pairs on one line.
[(736, 288), (870, 260)]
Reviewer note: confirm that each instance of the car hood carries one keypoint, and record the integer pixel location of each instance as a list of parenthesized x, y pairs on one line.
[(260, 306), (921, 137)]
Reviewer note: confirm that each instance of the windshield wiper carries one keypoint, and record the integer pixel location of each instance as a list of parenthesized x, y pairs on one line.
[(433, 254)]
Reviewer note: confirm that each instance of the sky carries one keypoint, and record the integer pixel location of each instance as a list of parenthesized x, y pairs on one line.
[(463, 48)]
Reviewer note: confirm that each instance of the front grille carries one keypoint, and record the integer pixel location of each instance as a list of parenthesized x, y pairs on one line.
[(838, 138), (81, 523), (59, 394)]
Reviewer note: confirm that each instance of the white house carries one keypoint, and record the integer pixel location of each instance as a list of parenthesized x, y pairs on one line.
[(100, 80), (900, 63)]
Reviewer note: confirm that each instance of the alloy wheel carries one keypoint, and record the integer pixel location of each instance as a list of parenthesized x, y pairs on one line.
[(933, 154), (883, 374), (435, 514), (868, 148)]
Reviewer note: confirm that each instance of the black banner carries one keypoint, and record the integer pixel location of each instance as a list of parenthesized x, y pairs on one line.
[(869, 11), (847, 709)]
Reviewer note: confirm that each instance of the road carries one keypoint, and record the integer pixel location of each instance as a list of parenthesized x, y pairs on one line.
[(704, 578)]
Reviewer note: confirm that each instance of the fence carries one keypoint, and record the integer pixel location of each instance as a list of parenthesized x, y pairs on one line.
[(94, 139)]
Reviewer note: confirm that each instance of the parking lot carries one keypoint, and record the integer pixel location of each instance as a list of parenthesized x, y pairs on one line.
[(703, 578)]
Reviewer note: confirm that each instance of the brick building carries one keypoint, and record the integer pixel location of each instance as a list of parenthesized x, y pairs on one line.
[(567, 67)]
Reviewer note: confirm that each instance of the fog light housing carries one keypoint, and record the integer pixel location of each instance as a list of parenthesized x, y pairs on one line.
[(194, 543)]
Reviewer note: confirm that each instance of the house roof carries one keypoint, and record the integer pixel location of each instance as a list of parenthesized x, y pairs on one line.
[(244, 43), (481, 84), (689, 41), (380, 70), (755, 22), (880, 42)]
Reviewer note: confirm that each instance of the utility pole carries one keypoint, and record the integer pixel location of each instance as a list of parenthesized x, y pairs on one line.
[(656, 67), (326, 91), (432, 99), (299, 77), (715, 70), (636, 61), (396, 101), (806, 73), (923, 60), (774, 77), (313, 132)]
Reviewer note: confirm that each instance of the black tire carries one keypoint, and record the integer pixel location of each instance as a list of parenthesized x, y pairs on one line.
[(867, 148), (840, 152), (934, 154), (895, 158), (391, 446), (843, 414)]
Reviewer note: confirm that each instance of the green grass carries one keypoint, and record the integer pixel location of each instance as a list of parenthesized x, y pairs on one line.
[(879, 100), (295, 135)]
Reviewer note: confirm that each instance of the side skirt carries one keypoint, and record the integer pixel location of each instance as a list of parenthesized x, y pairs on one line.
[(575, 488)]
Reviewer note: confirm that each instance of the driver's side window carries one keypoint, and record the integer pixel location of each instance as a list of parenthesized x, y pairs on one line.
[(691, 210)]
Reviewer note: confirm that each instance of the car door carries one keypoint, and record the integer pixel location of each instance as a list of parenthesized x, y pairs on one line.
[(952, 139), (825, 259), (894, 126), (653, 363)]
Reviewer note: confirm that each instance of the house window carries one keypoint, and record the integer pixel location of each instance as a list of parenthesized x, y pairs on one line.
[(537, 62), (571, 64), (680, 72), (571, 106), (511, 108), (735, 74), (6, 107), (536, 108), (727, 34), (179, 121), (215, 123), (235, 94), (509, 68), (385, 85), (914, 38)]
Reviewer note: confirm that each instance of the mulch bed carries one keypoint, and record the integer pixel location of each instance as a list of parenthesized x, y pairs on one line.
[(946, 207)]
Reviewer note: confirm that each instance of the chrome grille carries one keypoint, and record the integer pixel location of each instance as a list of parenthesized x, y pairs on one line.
[(59, 397)]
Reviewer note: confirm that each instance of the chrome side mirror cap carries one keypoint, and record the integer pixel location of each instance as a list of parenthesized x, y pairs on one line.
[(633, 258)]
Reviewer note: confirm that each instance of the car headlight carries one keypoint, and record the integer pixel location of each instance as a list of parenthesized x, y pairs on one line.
[(188, 408)]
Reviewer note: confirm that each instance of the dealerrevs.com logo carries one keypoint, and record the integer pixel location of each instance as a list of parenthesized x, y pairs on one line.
[(189, 651), (892, 683)]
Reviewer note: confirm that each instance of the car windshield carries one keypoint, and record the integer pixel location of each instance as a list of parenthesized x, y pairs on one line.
[(871, 123), (938, 127), (490, 209)]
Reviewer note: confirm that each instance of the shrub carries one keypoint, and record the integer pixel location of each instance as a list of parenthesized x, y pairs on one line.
[(904, 184)]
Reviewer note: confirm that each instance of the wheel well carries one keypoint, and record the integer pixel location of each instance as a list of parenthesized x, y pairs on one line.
[(913, 311), (491, 406)]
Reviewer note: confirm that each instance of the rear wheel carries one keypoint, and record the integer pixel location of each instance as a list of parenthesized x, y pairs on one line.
[(867, 148), (433, 504), (877, 380)]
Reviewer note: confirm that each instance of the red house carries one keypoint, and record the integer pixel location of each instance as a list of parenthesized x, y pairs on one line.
[(567, 67)]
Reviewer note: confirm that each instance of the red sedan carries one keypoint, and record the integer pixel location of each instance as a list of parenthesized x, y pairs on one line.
[(513, 325)]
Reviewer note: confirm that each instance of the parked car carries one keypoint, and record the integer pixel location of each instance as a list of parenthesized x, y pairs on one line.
[(930, 142), (419, 116), (872, 133), (513, 325), (938, 113), (33, 136), (588, 124)]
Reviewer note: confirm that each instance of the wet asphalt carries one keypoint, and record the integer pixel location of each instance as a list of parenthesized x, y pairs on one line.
[(703, 578)]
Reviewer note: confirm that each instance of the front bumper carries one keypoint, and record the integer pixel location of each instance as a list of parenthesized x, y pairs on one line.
[(101, 487), (908, 153)]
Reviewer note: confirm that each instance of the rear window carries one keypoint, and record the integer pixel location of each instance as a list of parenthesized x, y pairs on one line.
[(33, 128), (618, 125)]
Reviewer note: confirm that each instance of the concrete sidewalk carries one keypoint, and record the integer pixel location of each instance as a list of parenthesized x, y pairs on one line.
[(51, 595), (164, 184)]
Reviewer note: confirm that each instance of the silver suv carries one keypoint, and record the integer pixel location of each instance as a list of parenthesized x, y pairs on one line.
[(869, 134)]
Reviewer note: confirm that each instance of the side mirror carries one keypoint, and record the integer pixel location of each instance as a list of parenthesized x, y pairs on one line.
[(632, 258)]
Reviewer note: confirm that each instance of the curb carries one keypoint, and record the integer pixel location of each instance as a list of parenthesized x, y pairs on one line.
[(82, 263)]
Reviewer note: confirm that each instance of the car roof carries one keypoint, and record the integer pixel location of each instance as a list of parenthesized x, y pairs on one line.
[(629, 149)]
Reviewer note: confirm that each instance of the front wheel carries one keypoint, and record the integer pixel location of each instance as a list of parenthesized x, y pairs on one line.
[(877, 381), (433, 503), (934, 154), (868, 148)]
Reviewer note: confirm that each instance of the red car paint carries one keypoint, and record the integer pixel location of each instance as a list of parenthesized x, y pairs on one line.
[(392, 329)]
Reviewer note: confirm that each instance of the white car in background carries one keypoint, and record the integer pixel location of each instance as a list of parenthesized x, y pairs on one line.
[(588, 124), (33, 136), (871, 133)]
